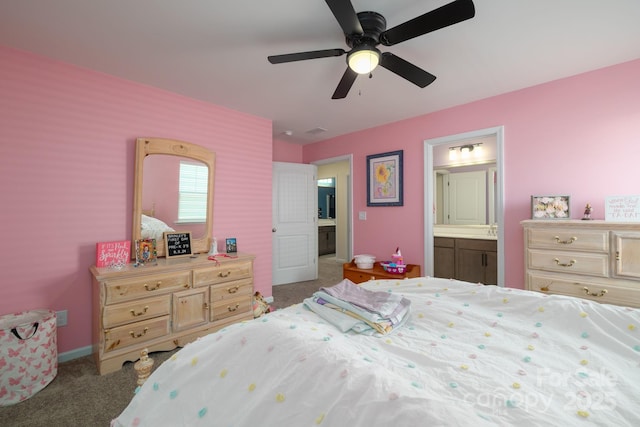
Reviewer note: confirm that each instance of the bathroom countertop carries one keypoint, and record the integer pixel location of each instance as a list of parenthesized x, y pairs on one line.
[(322, 222), (482, 232)]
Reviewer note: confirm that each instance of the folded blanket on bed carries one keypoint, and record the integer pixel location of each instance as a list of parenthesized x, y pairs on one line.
[(350, 307), (386, 304)]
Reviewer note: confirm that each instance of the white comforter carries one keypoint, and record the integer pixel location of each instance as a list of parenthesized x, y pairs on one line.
[(470, 355)]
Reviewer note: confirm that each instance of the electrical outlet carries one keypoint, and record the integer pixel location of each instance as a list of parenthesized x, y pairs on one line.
[(61, 318)]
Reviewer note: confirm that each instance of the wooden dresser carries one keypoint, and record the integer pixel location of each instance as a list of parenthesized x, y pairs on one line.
[(598, 260), (358, 275), (166, 306)]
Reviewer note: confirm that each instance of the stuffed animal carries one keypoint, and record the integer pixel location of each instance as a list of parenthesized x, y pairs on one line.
[(259, 306)]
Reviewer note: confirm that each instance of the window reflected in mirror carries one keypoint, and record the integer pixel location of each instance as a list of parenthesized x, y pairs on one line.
[(175, 192)]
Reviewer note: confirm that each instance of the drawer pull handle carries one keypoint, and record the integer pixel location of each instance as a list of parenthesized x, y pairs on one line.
[(565, 242), (227, 274), (140, 313), (233, 290), (133, 335), (594, 294), (564, 264), (154, 288), (232, 309)]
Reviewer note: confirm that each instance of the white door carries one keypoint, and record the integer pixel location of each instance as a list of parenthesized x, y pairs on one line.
[(468, 198), (295, 223)]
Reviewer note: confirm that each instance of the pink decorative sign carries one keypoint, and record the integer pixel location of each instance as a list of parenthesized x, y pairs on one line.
[(113, 254)]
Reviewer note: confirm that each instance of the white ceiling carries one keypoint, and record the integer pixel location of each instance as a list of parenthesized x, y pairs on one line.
[(216, 51)]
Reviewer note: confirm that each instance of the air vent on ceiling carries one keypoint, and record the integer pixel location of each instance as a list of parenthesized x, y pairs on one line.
[(316, 131)]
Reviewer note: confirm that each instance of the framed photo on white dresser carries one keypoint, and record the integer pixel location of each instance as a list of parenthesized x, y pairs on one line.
[(550, 207)]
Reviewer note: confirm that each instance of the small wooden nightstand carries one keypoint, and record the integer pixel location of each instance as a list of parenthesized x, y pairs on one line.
[(358, 275)]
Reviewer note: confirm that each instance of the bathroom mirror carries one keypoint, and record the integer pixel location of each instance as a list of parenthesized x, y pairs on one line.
[(465, 195), (327, 198), (171, 178)]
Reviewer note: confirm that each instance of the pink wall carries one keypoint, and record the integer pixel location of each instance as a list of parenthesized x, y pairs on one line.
[(286, 152), (66, 175), (575, 136)]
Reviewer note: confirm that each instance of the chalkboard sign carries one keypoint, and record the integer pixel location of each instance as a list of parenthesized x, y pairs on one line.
[(177, 244), (622, 208)]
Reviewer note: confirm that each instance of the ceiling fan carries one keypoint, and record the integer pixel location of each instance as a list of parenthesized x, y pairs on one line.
[(366, 30)]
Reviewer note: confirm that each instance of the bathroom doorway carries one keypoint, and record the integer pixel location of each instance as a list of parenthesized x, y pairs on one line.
[(430, 213), (336, 206)]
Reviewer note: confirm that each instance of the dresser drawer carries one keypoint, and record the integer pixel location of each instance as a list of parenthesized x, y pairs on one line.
[(569, 239), (222, 273), (231, 307), (135, 333), (134, 311), (569, 262), (230, 290), (118, 290), (358, 277), (603, 292)]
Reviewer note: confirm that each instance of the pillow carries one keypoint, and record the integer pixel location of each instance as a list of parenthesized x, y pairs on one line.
[(153, 228)]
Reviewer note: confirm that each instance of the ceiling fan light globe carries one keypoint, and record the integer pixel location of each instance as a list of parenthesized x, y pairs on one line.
[(364, 61)]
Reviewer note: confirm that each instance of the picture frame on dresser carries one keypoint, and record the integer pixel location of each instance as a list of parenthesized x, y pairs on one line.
[(385, 179), (177, 244), (231, 245), (550, 207), (146, 252)]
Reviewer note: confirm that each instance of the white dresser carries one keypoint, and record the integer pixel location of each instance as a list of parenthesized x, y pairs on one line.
[(597, 260), (165, 306)]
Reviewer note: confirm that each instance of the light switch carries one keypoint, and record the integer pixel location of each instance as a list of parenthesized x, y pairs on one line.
[(362, 215)]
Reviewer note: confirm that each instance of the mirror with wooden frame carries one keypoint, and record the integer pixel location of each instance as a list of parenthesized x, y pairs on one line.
[(173, 191)]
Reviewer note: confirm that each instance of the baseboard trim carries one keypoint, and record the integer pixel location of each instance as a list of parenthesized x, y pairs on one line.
[(75, 354)]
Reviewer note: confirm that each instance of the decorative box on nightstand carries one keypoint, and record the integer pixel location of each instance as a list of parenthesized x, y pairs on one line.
[(358, 275)]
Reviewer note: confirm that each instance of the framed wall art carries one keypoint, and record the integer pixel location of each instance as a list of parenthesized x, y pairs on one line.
[(550, 207), (384, 179), (146, 253)]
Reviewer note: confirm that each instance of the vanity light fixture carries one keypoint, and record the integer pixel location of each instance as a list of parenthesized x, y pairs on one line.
[(465, 151)]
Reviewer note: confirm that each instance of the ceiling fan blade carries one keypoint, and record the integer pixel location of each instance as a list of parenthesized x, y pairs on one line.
[(301, 56), (346, 16), (449, 14), (345, 84), (406, 70)]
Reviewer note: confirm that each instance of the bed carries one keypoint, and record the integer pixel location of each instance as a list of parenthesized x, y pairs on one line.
[(153, 228), (467, 354)]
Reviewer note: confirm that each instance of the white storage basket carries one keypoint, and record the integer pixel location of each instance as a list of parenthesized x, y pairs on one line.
[(28, 354)]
